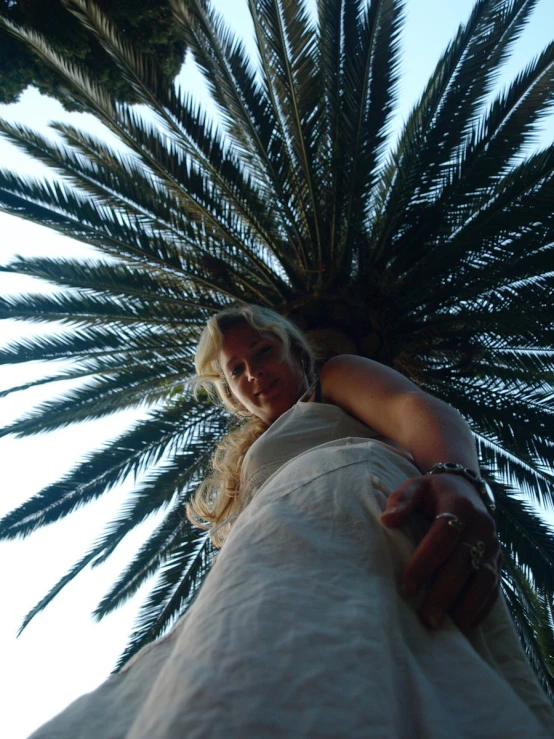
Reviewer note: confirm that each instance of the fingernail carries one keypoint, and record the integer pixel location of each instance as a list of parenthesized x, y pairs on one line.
[(389, 510), (435, 620)]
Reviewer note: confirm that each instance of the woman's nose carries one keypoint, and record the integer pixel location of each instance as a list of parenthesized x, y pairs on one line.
[(253, 370)]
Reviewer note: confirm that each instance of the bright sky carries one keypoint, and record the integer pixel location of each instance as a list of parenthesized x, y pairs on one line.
[(63, 653)]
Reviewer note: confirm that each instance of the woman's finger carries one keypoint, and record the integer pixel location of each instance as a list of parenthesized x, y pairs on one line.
[(402, 503), (449, 557), (486, 607), (431, 495), (445, 588), (436, 547), (478, 598)]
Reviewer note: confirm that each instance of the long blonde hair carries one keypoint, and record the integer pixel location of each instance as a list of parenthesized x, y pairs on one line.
[(218, 500)]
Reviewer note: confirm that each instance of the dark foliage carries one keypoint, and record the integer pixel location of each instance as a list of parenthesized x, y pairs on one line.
[(146, 23)]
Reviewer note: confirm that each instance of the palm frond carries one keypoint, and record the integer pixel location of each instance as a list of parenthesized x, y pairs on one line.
[(176, 586), (147, 561), (370, 82), (527, 539), (131, 455), (189, 131), (446, 113), (532, 617)]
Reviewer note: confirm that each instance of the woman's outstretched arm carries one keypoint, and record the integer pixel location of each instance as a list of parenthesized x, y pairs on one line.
[(431, 431)]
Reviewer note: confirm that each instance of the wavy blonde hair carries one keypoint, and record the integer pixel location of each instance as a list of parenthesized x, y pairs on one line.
[(218, 500)]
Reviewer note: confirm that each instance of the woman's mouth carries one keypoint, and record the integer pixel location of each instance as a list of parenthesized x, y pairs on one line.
[(267, 389)]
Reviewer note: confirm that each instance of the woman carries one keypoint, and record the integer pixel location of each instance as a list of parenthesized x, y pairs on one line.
[(356, 594)]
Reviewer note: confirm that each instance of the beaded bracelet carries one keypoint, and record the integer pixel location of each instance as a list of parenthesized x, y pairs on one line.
[(478, 482)]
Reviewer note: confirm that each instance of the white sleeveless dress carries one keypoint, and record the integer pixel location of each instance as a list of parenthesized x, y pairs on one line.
[(299, 631)]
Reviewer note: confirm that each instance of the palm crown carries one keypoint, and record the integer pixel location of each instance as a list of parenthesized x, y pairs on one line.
[(432, 255)]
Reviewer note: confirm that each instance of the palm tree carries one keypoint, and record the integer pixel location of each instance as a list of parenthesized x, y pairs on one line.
[(432, 255)]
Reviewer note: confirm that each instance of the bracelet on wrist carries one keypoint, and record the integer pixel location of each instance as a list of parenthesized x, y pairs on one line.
[(478, 482)]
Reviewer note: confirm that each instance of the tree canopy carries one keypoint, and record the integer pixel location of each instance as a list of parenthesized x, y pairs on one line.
[(431, 252), (146, 23)]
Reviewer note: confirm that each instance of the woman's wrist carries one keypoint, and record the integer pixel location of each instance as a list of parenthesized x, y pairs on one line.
[(473, 477)]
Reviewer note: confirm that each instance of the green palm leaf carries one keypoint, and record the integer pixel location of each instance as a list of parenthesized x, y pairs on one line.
[(532, 613), (178, 580)]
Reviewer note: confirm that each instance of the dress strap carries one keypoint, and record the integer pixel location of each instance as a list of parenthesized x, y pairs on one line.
[(314, 387), (317, 391)]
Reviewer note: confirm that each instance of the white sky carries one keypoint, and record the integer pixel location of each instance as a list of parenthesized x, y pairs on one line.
[(63, 653)]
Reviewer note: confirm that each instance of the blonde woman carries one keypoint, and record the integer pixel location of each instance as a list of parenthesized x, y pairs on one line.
[(356, 592)]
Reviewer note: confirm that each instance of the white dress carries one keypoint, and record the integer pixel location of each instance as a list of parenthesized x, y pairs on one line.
[(299, 630)]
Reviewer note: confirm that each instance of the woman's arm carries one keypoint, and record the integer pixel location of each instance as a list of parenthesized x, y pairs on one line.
[(431, 431), (392, 405)]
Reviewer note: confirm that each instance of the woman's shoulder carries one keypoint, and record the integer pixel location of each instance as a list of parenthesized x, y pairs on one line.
[(341, 362), (353, 369), (337, 371), (363, 387)]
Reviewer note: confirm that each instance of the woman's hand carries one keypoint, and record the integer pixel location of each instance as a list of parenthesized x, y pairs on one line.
[(459, 557)]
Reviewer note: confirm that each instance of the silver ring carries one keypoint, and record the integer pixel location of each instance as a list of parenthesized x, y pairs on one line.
[(453, 521), (476, 553)]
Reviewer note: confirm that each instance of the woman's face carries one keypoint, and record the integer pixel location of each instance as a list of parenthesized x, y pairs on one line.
[(263, 379)]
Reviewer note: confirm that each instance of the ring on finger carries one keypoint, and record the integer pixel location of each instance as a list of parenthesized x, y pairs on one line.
[(453, 521), (476, 553)]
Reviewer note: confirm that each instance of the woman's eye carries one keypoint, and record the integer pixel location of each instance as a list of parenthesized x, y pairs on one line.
[(236, 371)]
